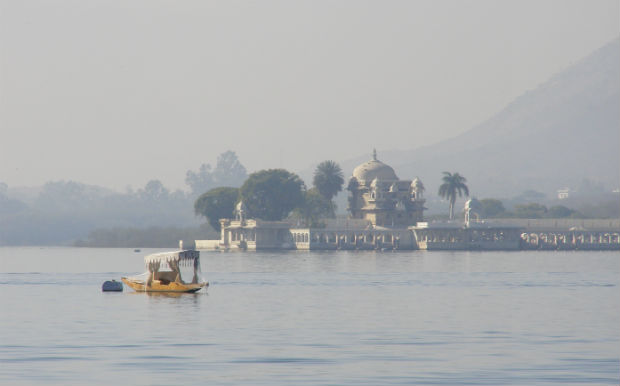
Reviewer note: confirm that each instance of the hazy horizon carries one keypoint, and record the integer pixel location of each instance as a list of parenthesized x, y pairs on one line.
[(115, 94)]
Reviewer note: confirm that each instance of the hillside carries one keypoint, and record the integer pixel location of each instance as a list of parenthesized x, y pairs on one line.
[(565, 130)]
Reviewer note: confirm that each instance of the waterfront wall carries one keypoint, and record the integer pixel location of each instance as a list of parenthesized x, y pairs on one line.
[(569, 240), (495, 234), (565, 224)]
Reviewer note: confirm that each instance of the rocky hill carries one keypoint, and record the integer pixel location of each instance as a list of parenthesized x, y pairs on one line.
[(554, 136)]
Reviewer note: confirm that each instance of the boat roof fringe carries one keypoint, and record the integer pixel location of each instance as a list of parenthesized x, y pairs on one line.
[(185, 258)]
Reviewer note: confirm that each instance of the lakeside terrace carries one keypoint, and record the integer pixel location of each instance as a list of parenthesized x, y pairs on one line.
[(358, 234)]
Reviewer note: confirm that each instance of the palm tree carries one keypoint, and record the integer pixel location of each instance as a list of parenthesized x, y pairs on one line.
[(328, 179), (453, 184)]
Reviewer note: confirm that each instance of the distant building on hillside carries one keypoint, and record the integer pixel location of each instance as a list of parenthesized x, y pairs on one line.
[(564, 193)]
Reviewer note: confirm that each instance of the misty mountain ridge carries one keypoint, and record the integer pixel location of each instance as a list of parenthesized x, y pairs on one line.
[(552, 137), (564, 131)]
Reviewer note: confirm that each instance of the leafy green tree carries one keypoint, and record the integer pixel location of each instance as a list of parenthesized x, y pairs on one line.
[(154, 190), (59, 196), (200, 181), (492, 207), (353, 184), (8, 205), (531, 210), (314, 208), (453, 185), (352, 188), (272, 194), (228, 172), (328, 179), (560, 211), (216, 204)]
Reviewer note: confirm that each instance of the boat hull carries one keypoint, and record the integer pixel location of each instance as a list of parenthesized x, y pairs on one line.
[(158, 286)]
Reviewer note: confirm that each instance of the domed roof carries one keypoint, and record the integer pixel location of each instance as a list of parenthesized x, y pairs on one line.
[(372, 169)]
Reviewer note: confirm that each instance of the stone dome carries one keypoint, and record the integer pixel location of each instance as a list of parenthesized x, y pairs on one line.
[(372, 169)]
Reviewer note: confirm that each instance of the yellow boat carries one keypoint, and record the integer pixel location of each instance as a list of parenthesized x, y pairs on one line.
[(164, 273)]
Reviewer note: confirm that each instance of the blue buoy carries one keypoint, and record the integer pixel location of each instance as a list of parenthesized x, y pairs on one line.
[(112, 285)]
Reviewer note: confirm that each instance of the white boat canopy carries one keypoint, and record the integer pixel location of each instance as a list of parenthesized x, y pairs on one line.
[(167, 266), (173, 261), (186, 257)]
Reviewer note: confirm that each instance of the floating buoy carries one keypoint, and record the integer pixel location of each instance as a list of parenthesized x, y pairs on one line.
[(112, 285)]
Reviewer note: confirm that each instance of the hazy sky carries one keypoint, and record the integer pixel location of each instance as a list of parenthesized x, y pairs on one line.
[(117, 92)]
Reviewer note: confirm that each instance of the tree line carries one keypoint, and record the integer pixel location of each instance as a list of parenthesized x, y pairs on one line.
[(453, 185), (62, 212), (275, 194)]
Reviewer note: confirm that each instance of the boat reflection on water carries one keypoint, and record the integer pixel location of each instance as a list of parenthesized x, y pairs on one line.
[(173, 294)]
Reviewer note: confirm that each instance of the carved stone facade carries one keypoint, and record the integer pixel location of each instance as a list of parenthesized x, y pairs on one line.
[(376, 194)]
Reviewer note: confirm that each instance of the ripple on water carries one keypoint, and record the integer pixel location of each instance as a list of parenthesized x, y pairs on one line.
[(319, 319), (283, 360)]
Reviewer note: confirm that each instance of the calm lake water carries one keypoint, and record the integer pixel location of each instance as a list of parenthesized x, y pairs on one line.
[(315, 318)]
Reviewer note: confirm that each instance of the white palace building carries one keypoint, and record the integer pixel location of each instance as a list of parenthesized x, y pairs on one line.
[(386, 213)]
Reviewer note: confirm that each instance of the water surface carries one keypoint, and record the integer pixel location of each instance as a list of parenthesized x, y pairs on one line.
[(316, 318)]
